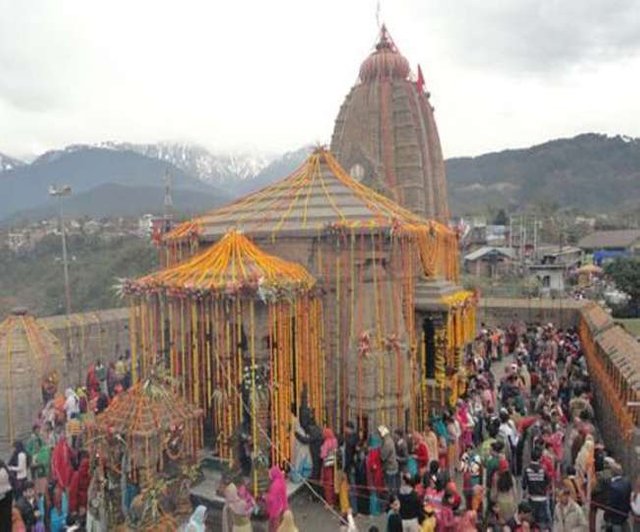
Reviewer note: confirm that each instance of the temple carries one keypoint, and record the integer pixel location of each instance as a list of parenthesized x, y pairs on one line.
[(302, 297), (330, 294)]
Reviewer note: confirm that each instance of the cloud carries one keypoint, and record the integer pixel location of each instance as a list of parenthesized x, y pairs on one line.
[(538, 36), (272, 75)]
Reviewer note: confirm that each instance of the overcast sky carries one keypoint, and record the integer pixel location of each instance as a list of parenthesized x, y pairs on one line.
[(271, 75)]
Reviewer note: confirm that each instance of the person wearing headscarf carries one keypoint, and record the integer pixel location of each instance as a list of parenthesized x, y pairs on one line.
[(276, 498), (235, 513), (61, 468), (301, 454), (79, 486), (197, 520), (71, 403), (568, 515), (328, 456), (288, 524), (503, 492), (375, 475), (421, 452), (246, 496), (466, 423), (389, 460), (585, 463)]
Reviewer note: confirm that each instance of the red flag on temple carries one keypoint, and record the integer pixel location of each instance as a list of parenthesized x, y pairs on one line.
[(420, 81)]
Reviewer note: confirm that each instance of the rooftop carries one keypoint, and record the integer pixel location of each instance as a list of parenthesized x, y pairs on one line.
[(610, 239), (490, 250), (315, 197)]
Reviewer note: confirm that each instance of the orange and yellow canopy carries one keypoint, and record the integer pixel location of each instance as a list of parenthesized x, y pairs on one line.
[(231, 266)]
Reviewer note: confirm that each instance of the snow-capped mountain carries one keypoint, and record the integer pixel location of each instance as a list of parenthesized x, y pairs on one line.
[(214, 168), (195, 160), (9, 163)]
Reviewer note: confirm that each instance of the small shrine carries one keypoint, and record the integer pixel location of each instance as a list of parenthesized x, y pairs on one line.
[(31, 363), (145, 448)]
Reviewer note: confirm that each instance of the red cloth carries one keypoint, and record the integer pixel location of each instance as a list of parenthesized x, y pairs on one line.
[(526, 422), (79, 487), (328, 485), (93, 384), (422, 455), (375, 476), (547, 464), (61, 468)]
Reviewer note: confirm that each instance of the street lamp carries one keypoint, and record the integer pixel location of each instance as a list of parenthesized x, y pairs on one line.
[(61, 193)]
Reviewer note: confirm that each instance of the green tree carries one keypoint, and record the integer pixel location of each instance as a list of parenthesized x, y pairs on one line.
[(625, 272)]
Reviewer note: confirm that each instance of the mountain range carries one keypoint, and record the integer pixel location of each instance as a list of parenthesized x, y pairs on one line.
[(591, 172)]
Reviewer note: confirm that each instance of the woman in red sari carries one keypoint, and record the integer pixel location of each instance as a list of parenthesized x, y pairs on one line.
[(421, 452), (79, 486), (328, 456)]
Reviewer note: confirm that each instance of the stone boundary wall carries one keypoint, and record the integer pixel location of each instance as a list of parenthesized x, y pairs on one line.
[(613, 357), (502, 311), (85, 337)]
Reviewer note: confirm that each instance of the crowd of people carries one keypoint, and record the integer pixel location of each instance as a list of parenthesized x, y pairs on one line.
[(45, 483), (518, 451)]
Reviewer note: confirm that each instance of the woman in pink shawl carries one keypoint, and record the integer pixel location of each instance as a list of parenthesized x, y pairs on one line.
[(328, 456), (236, 511), (276, 498), (466, 424)]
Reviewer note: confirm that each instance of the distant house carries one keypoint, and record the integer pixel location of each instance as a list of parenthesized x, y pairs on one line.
[(489, 261), (145, 225), (553, 265), (19, 241), (607, 245)]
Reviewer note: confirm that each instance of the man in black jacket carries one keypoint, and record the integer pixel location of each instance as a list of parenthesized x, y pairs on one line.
[(410, 507), (619, 500), (350, 449), (536, 483), (314, 441), (350, 442)]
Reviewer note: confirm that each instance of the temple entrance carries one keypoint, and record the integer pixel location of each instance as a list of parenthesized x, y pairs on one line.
[(429, 330)]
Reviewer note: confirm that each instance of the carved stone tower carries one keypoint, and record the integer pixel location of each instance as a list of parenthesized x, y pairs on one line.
[(385, 134)]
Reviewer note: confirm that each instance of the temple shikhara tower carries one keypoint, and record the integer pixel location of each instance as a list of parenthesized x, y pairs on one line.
[(385, 134)]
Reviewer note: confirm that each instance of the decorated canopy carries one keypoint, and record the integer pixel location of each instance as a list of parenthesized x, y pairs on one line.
[(317, 198), (154, 422), (231, 266), (30, 357)]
